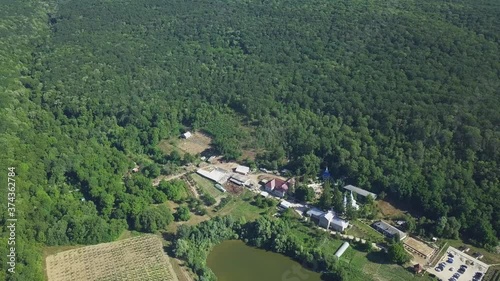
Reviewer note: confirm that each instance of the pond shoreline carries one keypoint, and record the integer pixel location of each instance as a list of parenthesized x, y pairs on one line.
[(235, 260)]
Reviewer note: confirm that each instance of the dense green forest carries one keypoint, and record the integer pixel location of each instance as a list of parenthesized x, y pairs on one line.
[(400, 97)]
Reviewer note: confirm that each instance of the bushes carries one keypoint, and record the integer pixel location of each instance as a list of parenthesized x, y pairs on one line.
[(264, 202), (174, 189), (223, 202), (208, 199), (153, 218), (182, 213), (193, 243), (397, 254)]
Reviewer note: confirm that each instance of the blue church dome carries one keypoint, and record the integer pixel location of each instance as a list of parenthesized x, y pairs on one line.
[(326, 174)]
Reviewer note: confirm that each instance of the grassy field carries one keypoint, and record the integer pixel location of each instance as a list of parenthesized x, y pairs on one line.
[(376, 266), (493, 274), (128, 234), (364, 231), (196, 144), (206, 185), (167, 146), (360, 266), (240, 206), (388, 210)]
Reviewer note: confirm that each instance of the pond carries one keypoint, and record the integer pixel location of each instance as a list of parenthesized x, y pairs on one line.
[(233, 260)]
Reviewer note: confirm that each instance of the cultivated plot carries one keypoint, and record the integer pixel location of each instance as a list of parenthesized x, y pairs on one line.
[(139, 258)]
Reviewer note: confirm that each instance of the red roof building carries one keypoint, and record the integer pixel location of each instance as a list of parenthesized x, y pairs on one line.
[(277, 186)]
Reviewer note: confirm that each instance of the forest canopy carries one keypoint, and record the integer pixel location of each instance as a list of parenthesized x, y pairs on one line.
[(400, 97)]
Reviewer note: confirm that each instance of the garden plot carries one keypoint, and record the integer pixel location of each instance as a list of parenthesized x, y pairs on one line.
[(138, 258)]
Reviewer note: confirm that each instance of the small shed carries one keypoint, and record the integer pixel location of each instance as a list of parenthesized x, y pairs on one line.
[(315, 213), (342, 249), (239, 179), (263, 193), (285, 204), (220, 187), (187, 135), (244, 170), (418, 268)]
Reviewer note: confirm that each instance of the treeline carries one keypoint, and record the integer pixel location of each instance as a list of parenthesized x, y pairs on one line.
[(193, 243)]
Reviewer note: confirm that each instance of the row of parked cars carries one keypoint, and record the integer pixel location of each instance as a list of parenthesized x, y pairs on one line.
[(441, 266), (477, 276)]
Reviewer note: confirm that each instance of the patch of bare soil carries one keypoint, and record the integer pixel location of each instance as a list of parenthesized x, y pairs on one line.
[(233, 188), (196, 144), (388, 210)]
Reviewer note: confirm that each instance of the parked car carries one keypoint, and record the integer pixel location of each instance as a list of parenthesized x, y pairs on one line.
[(450, 260), (438, 269), (456, 275)]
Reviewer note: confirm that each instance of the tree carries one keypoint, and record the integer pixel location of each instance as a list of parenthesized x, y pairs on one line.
[(304, 193), (182, 213), (153, 219), (411, 224), (308, 165), (441, 225), (397, 253), (208, 199), (337, 200), (151, 171), (325, 200), (369, 208), (175, 190), (452, 228), (188, 158)]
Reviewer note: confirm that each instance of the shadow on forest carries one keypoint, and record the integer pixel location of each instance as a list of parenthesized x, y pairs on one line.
[(167, 236)]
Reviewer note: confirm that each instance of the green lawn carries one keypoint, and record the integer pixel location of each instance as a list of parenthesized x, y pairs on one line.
[(206, 185), (493, 274), (359, 265), (240, 206), (376, 266), (364, 231), (169, 145)]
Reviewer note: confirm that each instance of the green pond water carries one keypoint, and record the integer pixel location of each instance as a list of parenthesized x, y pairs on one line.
[(233, 260)]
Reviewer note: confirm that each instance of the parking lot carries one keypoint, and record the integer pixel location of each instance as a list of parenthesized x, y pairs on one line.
[(459, 258)]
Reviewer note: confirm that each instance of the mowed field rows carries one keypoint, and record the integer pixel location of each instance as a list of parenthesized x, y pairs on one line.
[(138, 258)]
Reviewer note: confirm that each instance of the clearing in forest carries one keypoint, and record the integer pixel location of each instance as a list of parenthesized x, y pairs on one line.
[(196, 144), (137, 258), (388, 210)]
